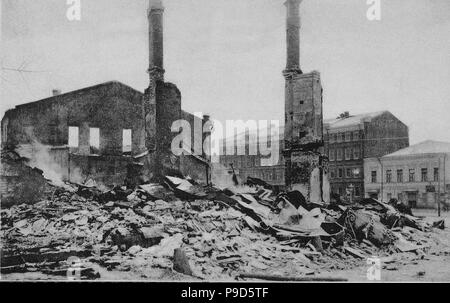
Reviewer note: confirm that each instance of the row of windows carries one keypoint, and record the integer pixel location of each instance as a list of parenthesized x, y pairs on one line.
[(399, 178), (342, 191), (344, 137), (269, 175), (350, 172), (412, 198), (344, 154), (94, 139)]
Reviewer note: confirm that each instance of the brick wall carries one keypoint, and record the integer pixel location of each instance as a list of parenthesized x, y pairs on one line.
[(303, 110), (385, 134), (112, 108)]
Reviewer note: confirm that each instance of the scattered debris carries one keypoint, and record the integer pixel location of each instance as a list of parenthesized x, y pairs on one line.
[(181, 262), (354, 252), (296, 279), (202, 232)]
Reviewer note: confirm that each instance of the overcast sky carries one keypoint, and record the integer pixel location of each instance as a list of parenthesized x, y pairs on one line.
[(226, 56)]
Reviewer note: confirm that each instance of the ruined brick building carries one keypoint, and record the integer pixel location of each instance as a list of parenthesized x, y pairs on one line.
[(348, 141), (110, 130), (302, 165), (306, 167)]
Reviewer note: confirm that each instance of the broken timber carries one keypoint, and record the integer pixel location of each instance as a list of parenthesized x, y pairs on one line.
[(294, 279)]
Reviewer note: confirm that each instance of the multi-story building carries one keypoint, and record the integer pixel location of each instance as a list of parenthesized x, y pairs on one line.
[(350, 139), (250, 162), (416, 175)]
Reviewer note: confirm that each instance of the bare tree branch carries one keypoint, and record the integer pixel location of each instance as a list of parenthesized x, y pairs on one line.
[(19, 70)]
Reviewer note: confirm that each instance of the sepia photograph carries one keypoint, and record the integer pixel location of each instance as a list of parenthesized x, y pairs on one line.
[(237, 141)]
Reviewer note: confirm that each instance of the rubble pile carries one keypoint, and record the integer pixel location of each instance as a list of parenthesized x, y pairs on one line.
[(18, 181), (200, 232)]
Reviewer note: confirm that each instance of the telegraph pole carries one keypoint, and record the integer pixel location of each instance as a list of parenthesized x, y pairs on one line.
[(381, 165), (439, 187)]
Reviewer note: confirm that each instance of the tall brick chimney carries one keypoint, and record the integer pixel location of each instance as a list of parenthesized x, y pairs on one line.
[(155, 69), (306, 167), (156, 40), (162, 102), (293, 36)]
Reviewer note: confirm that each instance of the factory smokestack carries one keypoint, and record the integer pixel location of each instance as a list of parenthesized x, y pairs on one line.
[(293, 36), (156, 40)]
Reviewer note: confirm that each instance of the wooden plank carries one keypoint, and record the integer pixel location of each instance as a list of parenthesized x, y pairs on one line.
[(355, 252), (295, 279)]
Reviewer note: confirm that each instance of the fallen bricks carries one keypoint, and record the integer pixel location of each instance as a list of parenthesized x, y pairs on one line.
[(14, 260), (202, 232), (363, 224)]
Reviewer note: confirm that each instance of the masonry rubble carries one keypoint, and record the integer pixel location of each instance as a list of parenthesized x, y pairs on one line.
[(202, 232)]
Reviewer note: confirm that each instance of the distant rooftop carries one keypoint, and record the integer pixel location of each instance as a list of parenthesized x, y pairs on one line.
[(426, 147), (351, 120)]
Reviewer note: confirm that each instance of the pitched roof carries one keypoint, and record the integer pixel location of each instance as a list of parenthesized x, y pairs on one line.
[(426, 147), (352, 120), (78, 91)]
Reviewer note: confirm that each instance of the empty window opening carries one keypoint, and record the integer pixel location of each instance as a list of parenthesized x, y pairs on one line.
[(73, 136), (94, 140), (126, 141)]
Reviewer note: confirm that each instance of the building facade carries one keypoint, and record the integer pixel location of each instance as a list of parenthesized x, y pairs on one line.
[(108, 131), (351, 139), (251, 164), (96, 132), (417, 175)]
